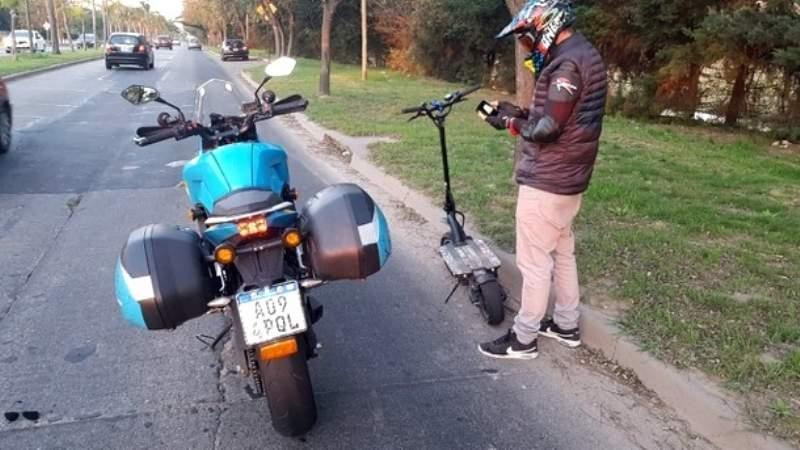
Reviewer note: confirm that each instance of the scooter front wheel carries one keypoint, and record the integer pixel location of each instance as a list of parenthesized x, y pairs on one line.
[(491, 302)]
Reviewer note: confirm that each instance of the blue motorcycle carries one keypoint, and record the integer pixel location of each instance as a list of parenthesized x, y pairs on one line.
[(253, 255)]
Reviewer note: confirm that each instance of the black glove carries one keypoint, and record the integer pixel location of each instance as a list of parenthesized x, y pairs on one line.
[(499, 122), (510, 110)]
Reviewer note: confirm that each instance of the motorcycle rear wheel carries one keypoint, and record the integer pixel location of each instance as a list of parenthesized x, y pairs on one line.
[(290, 396)]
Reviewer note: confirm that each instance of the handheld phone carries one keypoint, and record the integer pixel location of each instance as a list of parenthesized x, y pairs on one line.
[(485, 110)]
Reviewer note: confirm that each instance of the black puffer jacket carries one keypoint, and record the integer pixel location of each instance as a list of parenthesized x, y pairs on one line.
[(565, 166)]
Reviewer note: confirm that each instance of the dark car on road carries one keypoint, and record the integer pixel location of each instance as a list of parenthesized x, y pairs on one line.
[(5, 119), (164, 42), (235, 48), (129, 48)]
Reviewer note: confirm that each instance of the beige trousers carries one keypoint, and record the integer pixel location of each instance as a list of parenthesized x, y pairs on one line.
[(545, 256)]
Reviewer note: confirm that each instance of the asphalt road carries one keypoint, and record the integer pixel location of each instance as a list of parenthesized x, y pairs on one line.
[(398, 368)]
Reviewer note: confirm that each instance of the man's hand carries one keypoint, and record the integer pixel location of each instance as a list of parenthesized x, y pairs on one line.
[(510, 110), (499, 122)]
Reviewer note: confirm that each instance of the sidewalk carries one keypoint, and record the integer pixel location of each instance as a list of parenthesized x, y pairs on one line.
[(710, 410)]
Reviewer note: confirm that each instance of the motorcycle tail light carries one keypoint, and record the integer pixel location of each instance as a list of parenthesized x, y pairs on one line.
[(255, 226), (276, 350)]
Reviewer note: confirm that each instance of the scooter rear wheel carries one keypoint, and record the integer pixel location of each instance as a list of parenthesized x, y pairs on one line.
[(491, 302)]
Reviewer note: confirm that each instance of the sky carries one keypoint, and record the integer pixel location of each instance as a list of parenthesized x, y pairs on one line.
[(168, 8)]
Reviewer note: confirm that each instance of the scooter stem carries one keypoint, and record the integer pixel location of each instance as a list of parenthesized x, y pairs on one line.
[(449, 202), (457, 233)]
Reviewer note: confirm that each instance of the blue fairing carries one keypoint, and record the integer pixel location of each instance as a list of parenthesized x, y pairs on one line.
[(246, 165), (130, 308)]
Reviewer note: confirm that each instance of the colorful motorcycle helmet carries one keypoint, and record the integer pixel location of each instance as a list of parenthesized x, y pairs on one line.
[(537, 25)]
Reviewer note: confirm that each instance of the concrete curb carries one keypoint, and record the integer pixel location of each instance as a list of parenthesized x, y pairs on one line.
[(30, 73), (716, 415)]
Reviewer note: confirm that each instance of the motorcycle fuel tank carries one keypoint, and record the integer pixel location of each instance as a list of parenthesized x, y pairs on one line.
[(163, 279), (213, 175)]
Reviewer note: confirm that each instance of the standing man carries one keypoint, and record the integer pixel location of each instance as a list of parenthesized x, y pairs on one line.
[(560, 132)]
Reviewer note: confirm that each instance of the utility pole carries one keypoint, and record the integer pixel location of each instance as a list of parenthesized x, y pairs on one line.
[(364, 40)]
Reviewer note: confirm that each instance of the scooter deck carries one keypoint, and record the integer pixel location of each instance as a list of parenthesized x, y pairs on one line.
[(466, 259)]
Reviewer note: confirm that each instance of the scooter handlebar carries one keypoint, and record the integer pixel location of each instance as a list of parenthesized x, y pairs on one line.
[(414, 110), (469, 91)]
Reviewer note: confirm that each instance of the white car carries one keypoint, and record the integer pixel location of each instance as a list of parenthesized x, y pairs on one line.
[(22, 37)]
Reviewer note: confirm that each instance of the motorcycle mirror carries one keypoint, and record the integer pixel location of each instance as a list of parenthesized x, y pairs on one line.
[(139, 95), (281, 67), (268, 96)]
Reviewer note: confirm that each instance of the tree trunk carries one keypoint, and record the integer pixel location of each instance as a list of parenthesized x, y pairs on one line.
[(364, 40), (28, 23), (524, 79), (66, 26), (84, 45), (695, 70), (51, 15), (328, 9), (787, 92), (276, 38), (13, 35), (290, 44), (281, 36), (104, 13), (247, 28), (738, 95), (94, 27)]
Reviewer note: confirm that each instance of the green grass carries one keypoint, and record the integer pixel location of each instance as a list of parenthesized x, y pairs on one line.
[(695, 231), (26, 61)]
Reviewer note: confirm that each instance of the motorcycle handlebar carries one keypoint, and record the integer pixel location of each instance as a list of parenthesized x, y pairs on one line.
[(152, 135), (289, 107)]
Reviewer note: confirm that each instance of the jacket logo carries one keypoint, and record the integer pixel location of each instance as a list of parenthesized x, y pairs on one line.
[(563, 83)]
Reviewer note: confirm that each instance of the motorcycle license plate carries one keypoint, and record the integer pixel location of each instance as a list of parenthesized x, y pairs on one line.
[(271, 313)]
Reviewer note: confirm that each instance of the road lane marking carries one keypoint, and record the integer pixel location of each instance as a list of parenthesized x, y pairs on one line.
[(176, 164), (131, 168)]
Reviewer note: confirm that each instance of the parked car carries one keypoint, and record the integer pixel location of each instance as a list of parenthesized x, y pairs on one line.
[(5, 119), (194, 44), (87, 40), (22, 37), (129, 48), (235, 48), (164, 42)]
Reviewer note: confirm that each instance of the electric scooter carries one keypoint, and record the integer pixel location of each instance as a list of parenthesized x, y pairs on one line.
[(471, 261)]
